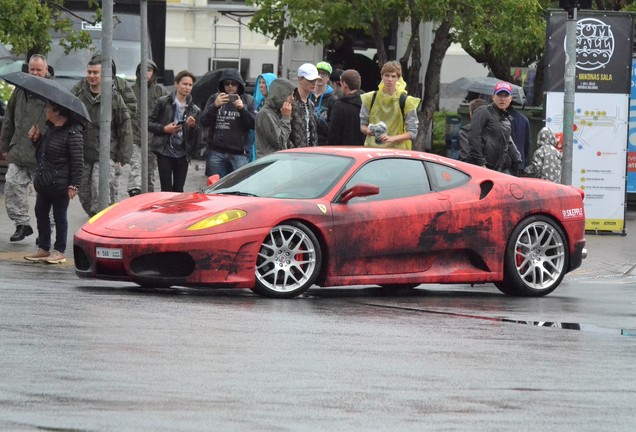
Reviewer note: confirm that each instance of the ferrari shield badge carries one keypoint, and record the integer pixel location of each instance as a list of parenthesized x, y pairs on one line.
[(323, 208)]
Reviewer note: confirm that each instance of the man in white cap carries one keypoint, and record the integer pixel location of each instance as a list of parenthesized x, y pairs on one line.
[(303, 122)]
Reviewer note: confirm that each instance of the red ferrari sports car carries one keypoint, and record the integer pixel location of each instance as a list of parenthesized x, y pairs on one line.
[(334, 216)]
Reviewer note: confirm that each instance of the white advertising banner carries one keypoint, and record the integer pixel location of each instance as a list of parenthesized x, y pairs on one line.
[(601, 108), (599, 152)]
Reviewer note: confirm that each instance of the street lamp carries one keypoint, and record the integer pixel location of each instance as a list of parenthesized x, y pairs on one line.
[(571, 6)]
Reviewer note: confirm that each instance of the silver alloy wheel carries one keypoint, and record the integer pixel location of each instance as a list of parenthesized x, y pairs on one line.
[(539, 255), (287, 260)]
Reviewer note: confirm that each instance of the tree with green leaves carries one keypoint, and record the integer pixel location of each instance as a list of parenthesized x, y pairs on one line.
[(501, 34), (25, 25)]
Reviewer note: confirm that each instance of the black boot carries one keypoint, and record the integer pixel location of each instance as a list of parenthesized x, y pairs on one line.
[(21, 232), (134, 191)]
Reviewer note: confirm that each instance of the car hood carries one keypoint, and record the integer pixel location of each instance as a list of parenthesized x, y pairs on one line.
[(167, 214)]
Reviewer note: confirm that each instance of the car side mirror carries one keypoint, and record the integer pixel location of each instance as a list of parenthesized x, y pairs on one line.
[(213, 179), (357, 191)]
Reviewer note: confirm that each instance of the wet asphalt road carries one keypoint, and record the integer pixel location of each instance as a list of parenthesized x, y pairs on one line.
[(99, 356)]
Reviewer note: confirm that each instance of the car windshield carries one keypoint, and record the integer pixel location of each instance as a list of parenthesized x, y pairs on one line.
[(285, 175)]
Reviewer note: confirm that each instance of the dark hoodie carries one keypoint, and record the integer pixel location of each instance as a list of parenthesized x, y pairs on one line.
[(344, 128), (272, 128), (229, 127), (155, 91)]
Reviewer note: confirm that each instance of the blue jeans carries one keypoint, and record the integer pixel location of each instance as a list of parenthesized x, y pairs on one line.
[(223, 163), (43, 203)]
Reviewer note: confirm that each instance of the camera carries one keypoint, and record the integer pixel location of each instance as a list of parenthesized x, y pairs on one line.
[(378, 129), (233, 98)]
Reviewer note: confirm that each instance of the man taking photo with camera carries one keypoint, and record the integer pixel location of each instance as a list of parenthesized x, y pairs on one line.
[(229, 115)]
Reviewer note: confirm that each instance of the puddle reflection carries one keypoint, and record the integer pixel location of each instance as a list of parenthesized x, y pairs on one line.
[(576, 326)]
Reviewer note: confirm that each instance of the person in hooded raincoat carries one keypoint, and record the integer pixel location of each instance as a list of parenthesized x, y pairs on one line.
[(260, 94), (546, 160), (384, 106), (230, 114), (273, 122)]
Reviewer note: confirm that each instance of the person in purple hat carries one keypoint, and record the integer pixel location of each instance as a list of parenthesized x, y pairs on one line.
[(490, 143)]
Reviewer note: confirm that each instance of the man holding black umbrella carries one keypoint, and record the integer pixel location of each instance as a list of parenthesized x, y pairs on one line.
[(23, 112)]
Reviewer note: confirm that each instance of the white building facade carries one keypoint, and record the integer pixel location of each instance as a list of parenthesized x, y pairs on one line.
[(203, 35)]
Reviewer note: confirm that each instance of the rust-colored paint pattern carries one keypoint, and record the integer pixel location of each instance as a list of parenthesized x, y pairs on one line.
[(452, 234)]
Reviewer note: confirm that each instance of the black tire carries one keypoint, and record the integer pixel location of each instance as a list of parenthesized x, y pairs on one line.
[(536, 258), (288, 262)]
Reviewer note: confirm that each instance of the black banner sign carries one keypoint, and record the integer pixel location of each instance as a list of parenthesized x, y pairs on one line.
[(603, 52)]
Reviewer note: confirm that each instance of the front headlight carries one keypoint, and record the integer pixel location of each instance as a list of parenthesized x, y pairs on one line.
[(101, 213), (217, 219)]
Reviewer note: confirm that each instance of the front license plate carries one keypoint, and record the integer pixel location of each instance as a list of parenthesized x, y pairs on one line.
[(109, 253)]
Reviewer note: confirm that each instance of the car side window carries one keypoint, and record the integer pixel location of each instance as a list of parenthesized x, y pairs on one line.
[(396, 178), (444, 177)]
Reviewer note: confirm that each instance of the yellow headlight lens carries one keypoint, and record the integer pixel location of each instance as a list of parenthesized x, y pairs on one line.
[(101, 213), (217, 219)]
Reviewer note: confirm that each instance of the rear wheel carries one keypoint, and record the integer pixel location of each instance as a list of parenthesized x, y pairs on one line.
[(536, 258), (288, 262)]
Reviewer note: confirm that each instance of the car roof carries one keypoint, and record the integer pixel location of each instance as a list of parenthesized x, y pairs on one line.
[(361, 154), (366, 153)]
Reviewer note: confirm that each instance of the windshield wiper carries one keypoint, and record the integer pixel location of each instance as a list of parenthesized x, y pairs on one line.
[(239, 193)]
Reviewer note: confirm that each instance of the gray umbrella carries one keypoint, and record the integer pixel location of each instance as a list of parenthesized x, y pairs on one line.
[(486, 85), (49, 90)]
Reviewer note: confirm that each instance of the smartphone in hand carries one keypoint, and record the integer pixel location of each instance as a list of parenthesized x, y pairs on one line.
[(233, 98)]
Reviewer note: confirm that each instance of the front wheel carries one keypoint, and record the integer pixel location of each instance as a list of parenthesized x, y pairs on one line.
[(288, 262), (536, 258)]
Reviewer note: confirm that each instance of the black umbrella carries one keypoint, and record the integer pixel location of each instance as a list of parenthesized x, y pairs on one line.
[(51, 91), (205, 87), (485, 86)]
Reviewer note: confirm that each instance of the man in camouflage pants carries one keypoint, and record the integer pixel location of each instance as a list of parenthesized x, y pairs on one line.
[(23, 112), (155, 91), (120, 144)]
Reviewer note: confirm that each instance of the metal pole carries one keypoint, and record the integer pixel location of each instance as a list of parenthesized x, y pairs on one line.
[(143, 96), (106, 104), (568, 96)]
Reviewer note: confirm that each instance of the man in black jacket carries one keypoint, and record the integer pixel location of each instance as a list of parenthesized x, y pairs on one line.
[(344, 128), (489, 137)]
